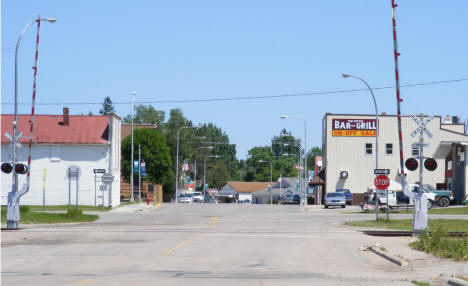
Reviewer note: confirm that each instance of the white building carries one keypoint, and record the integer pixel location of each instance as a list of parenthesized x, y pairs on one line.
[(349, 151), (241, 191), (89, 142)]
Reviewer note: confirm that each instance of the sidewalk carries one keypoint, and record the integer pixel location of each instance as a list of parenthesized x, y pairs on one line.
[(137, 207)]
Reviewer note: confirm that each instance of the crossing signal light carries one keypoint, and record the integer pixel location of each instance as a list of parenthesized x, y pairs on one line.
[(7, 168), (411, 164), (430, 164), (21, 169)]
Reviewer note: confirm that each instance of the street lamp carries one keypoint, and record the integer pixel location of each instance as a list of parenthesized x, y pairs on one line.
[(376, 118), (14, 202), (131, 154), (271, 178), (376, 137), (305, 149), (204, 171), (195, 173), (177, 158)]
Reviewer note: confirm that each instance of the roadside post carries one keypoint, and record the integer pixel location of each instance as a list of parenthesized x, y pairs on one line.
[(381, 183), (271, 194), (44, 188), (73, 172), (107, 179), (385, 172), (96, 171)]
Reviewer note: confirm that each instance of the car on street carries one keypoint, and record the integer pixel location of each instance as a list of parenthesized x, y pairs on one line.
[(210, 199), (290, 199), (334, 199), (197, 197), (348, 195), (185, 198)]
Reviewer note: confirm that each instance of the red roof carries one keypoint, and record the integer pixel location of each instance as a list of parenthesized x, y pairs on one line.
[(50, 129)]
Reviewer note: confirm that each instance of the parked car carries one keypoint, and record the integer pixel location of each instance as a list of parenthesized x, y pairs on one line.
[(334, 199), (348, 195), (291, 199), (197, 197), (210, 199), (185, 198)]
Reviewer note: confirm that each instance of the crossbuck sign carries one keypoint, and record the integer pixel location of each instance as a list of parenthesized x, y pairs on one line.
[(422, 123)]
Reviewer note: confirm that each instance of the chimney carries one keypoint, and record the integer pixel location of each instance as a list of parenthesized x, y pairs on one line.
[(383, 113), (66, 117), (447, 119)]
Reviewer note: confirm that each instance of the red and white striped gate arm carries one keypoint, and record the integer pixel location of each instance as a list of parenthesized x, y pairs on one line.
[(33, 103), (396, 54)]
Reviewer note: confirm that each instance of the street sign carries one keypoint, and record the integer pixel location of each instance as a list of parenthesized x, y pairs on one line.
[(99, 171), (417, 145), (107, 178), (143, 168), (73, 171), (381, 171), (381, 182)]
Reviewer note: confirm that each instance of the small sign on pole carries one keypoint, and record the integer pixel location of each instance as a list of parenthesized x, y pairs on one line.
[(381, 172)]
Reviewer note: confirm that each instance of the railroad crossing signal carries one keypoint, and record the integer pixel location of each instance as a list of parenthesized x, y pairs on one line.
[(421, 125)]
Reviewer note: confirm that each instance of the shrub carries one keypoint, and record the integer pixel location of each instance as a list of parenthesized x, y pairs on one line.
[(441, 244)]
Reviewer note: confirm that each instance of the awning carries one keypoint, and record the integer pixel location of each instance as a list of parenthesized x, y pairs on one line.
[(316, 181), (444, 148)]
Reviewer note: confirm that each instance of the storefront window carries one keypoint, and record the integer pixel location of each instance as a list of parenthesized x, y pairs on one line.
[(368, 148)]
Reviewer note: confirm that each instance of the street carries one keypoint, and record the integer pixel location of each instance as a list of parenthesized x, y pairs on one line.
[(212, 244)]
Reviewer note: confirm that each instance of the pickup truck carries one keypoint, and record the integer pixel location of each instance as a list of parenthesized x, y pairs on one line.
[(441, 197), (348, 195)]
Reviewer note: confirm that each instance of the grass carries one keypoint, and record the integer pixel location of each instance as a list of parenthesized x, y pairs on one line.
[(32, 217), (406, 224), (65, 207), (419, 283), (440, 244)]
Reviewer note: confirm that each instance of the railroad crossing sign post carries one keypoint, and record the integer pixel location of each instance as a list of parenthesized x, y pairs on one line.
[(420, 201)]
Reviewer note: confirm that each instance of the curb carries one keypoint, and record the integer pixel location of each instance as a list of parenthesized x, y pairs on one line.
[(391, 258), (457, 282)]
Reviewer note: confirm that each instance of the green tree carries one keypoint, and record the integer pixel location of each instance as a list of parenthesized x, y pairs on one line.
[(107, 106), (285, 143), (218, 176), (146, 114), (219, 140), (154, 152), (187, 140), (315, 151)]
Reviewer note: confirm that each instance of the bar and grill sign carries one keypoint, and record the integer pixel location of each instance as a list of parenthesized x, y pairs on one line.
[(354, 127)]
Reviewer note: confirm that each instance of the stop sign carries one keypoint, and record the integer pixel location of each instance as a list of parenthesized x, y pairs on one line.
[(381, 182)]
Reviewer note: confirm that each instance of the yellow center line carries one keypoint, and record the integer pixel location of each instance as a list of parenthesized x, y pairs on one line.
[(166, 252)]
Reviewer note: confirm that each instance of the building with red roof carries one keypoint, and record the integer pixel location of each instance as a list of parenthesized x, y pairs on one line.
[(60, 141)]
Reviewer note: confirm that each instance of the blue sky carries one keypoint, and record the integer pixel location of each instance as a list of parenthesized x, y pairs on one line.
[(183, 50)]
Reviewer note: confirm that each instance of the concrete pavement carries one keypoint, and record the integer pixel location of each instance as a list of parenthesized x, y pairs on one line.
[(211, 244)]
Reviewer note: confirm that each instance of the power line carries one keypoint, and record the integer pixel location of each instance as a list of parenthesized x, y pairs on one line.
[(247, 97)]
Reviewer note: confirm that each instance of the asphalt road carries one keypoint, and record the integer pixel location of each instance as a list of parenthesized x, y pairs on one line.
[(203, 244)]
